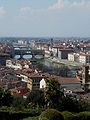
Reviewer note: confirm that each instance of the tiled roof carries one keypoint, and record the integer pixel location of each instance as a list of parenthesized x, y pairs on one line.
[(32, 74), (66, 80), (20, 91)]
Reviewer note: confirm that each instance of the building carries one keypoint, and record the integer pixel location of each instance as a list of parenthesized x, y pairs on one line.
[(12, 64), (63, 53), (55, 51), (84, 58), (85, 47), (32, 78), (73, 57), (18, 64), (9, 78), (20, 91), (84, 76), (42, 84), (72, 85), (3, 58)]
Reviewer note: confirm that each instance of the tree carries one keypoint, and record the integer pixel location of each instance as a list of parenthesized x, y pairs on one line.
[(72, 104), (36, 98), (6, 98), (53, 94), (18, 102)]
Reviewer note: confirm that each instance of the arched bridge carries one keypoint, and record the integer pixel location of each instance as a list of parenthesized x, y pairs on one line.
[(32, 52)]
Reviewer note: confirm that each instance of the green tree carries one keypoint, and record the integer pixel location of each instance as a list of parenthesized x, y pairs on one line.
[(53, 94), (18, 102), (6, 98), (36, 98), (72, 104)]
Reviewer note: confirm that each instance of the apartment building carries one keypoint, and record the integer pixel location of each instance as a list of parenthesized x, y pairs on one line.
[(84, 58)]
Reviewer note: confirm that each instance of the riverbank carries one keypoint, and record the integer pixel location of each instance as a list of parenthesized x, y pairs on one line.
[(63, 62)]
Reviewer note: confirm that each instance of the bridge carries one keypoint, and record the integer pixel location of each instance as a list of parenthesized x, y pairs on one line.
[(29, 52), (25, 51)]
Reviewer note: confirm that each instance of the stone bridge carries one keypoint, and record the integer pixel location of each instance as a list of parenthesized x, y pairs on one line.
[(32, 52)]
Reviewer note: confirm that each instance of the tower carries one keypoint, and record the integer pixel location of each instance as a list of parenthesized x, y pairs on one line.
[(51, 42)]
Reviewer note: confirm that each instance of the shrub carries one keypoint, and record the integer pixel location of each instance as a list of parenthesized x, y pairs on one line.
[(79, 116), (68, 115), (6, 115), (51, 114), (83, 116)]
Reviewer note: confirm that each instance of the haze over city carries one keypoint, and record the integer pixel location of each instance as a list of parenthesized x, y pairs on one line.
[(41, 18)]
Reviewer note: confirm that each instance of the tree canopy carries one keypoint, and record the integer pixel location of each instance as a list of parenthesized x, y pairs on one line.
[(53, 93), (6, 98)]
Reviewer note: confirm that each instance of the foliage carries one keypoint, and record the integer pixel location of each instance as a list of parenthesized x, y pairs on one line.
[(7, 114), (55, 98), (51, 114), (68, 115), (78, 105), (83, 116), (35, 99), (14, 115), (6, 98), (78, 116), (53, 94), (18, 102)]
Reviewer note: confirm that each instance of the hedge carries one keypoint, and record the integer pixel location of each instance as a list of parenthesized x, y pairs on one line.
[(15, 115), (78, 116), (68, 115), (83, 116)]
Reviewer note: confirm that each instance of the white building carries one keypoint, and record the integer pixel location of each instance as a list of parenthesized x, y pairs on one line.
[(15, 66), (42, 83), (84, 58), (69, 84), (71, 57), (55, 51), (20, 42)]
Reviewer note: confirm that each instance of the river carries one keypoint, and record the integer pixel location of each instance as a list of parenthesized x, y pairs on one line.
[(46, 65)]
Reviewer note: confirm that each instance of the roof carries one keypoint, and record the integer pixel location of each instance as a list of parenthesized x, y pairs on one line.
[(66, 49), (85, 54), (20, 91), (32, 74), (75, 90), (66, 80)]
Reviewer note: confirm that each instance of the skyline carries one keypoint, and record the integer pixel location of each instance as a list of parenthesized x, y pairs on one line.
[(45, 18)]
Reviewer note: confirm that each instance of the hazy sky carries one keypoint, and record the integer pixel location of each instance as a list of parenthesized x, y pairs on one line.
[(51, 18)]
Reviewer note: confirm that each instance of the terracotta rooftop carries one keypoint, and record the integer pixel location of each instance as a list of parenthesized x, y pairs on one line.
[(66, 80), (19, 91), (85, 54), (32, 74)]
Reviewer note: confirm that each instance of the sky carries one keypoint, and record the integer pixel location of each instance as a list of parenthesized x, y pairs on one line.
[(45, 18)]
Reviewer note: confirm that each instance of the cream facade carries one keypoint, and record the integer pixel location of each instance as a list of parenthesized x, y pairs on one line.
[(15, 66), (84, 58), (71, 57)]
